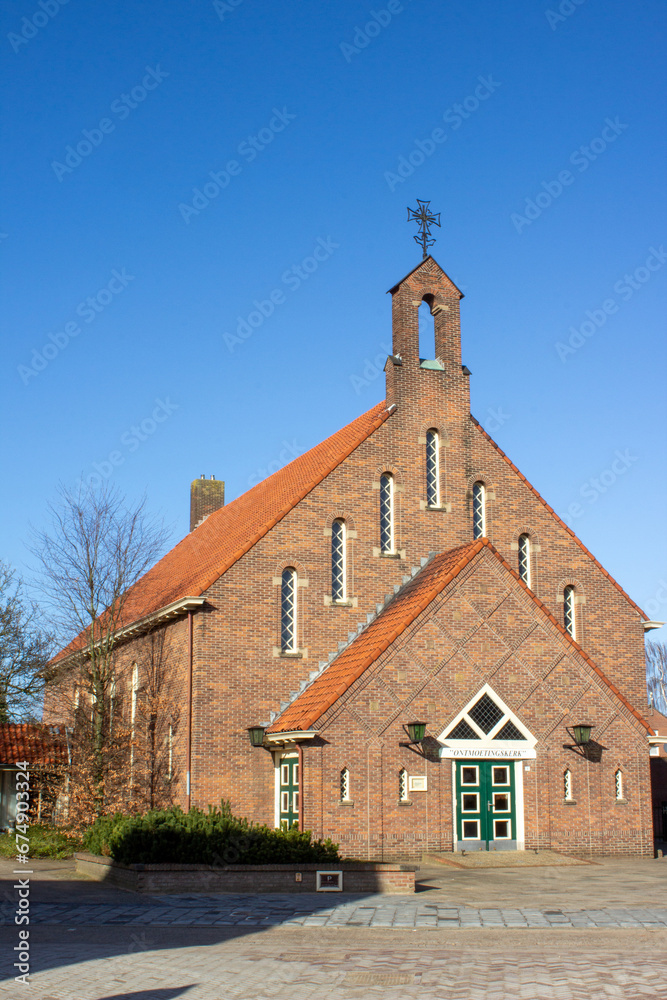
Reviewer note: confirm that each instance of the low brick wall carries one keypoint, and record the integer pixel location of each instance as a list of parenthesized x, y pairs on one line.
[(362, 876)]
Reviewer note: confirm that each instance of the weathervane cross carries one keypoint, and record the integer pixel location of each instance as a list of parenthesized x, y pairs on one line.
[(425, 219)]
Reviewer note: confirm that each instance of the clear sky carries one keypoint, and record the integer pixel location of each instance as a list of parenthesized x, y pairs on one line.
[(168, 165)]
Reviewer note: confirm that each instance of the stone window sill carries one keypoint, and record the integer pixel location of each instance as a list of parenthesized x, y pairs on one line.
[(404, 802), (621, 802), (291, 655), (346, 802), (390, 555), (569, 802)]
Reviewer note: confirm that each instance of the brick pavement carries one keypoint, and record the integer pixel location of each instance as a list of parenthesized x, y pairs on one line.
[(516, 935)]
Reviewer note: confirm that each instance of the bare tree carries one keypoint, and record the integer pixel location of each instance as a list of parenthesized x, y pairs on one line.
[(155, 722), (94, 551), (24, 651), (656, 675)]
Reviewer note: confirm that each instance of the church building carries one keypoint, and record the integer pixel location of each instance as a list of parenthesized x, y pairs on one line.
[(395, 642)]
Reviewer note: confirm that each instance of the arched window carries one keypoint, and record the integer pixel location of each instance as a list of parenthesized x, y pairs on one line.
[(569, 619), (135, 693), (403, 785), (432, 469), (288, 611), (345, 785), (567, 786), (618, 778), (479, 510), (338, 567), (524, 558), (386, 512)]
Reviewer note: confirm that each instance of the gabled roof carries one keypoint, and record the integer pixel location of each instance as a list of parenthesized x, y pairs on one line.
[(393, 620), (557, 518), (417, 267), (40, 746), (197, 561)]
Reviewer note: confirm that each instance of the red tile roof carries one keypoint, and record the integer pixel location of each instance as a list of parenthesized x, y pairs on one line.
[(557, 518), (409, 603), (39, 746), (193, 565)]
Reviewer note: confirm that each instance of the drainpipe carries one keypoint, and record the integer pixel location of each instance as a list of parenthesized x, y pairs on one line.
[(188, 735), (299, 747)]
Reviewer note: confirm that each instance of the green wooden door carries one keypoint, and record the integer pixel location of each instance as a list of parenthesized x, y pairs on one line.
[(485, 806), (289, 791)]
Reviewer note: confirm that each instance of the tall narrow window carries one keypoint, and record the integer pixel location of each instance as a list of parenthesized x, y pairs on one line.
[(345, 785), (338, 568), (478, 510), (567, 786), (386, 513), (618, 778), (170, 752), (568, 611), (524, 558), (288, 611), (432, 469), (403, 785)]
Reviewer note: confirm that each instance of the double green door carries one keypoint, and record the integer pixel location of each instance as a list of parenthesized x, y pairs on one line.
[(485, 806), (289, 791)]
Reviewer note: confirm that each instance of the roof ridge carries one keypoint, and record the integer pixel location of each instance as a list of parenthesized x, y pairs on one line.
[(201, 557), (469, 550), (353, 635), (570, 639), (557, 518)]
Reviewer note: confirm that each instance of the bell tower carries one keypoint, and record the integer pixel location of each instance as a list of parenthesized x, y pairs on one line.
[(428, 283)]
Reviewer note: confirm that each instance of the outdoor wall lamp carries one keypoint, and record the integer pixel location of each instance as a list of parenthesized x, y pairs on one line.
[(256, 734), (581, 734), (416, 731), (583, 745)]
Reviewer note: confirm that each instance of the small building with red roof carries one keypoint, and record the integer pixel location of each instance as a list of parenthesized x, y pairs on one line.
[(394, 641)]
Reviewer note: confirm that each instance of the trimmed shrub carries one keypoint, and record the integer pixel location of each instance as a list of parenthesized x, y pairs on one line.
[(43, 842), (216, 837)]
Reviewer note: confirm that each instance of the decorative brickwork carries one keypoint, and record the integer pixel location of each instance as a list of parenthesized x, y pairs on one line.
[(480, 626)]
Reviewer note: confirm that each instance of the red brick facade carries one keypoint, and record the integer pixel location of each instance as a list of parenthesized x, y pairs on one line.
[(484, 628)]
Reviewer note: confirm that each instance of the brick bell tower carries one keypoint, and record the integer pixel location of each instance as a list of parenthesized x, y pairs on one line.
[(411, 379)]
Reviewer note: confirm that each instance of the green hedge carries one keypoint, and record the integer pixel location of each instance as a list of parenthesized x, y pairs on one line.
[(44, 842), (215, 837)]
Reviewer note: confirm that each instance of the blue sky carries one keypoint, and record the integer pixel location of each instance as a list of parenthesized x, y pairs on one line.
[(169, 165)]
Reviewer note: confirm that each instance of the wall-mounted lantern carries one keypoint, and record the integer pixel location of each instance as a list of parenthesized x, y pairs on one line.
[(416, 731), (582, 734), (256, 734)]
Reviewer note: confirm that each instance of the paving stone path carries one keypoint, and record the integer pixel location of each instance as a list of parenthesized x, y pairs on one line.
[(349, 910)]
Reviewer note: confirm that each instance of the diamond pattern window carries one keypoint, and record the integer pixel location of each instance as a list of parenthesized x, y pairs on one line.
[(463, 731), (345, 785), (432, 469), (486, 713), (288, 611), (568, 611), (478, 510), (403, 785), (618, 778), (386, 513), (567, 786), (524, 558), (509, 732), (338, 582), (486, 718)]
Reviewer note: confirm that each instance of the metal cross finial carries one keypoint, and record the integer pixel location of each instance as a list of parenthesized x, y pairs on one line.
[(426, 219)]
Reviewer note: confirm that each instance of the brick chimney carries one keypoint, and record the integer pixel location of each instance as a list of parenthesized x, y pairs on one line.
[(206, 496)]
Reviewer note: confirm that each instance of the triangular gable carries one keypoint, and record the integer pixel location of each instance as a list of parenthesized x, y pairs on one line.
[(412, 599), (487, 735), (201, 558), (431, 265)]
